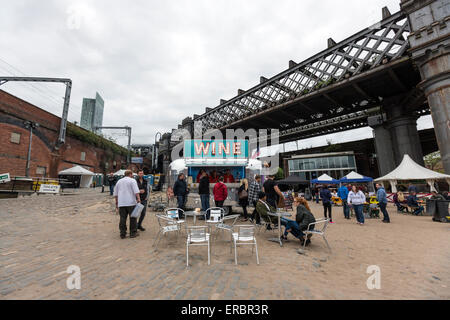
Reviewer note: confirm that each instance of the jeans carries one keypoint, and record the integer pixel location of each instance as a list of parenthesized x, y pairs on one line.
[(205, 202), (418, 211), (359, 212), (294, 227), (346, 208), (181, 200), (272, 202), (141, 218), (317, 198), (384, 211), (327, 207), (111, 189), (124, 212)]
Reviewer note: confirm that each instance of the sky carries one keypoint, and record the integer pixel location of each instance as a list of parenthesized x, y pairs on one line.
[(158, 62)]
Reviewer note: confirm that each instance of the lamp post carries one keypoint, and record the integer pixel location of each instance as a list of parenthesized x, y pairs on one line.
[(155, 150), (29, 125)]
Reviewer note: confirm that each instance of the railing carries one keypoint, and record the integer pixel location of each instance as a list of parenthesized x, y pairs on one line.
[(366, 50)]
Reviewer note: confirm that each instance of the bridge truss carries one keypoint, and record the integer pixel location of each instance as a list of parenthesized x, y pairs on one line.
[(338, 86)]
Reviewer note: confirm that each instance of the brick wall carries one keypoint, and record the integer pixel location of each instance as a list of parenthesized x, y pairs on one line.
[(13, 113)]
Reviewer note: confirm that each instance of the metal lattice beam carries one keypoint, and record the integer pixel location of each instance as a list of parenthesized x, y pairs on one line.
[(368, 49)]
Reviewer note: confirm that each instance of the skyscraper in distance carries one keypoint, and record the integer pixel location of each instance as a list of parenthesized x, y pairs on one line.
[(92, 113)]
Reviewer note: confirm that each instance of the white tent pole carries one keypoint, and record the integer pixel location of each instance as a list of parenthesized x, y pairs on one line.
[(393, 186), (431, 184)]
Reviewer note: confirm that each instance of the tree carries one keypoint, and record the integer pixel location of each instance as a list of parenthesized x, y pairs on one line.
[(280, 174), (432, 160)]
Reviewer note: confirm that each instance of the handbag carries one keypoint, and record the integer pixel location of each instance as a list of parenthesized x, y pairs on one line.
[(137, 211), (243, 194)]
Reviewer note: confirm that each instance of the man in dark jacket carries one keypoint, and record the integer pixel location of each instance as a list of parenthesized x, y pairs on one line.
[(325, 194), (412, 203), (143, 193), (112, 182), (203, 190), (180, 191)]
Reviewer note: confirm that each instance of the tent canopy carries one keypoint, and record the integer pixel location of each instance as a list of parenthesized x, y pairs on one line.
[(410, 170), (293, 180), (355, 177), (121, 173), (325, 179), (76, 171)]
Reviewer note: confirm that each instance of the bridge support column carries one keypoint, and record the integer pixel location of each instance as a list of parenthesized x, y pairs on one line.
[(383, 145), (405, 139), (430, 49)]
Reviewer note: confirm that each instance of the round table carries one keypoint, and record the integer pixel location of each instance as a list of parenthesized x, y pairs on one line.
[(194, 214), (279, 215)]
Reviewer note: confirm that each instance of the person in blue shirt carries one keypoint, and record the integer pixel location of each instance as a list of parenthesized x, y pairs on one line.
[(343, 194), (325, 194), (412, 202), (382, 202)]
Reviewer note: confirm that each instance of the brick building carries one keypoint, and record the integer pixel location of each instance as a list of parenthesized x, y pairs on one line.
[(81, 148)]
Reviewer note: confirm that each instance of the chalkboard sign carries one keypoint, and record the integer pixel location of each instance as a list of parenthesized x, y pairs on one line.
[(288, 200)]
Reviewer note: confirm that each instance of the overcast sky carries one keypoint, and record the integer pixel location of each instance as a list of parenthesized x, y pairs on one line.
[(157, 62)]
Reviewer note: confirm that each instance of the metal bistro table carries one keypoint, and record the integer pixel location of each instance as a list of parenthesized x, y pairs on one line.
[(195, 214), (279, 215)]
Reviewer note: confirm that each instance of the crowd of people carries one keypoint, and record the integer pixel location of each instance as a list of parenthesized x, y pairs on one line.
[(264, 198)]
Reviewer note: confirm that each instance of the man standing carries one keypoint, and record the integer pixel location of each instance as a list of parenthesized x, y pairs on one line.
[(143, 192), (382, 201), (180, 191), (203, 190), (253, 196), (111, 182), (270, 188), (343, 194), (127, 196), (220, 192), (325, 194)]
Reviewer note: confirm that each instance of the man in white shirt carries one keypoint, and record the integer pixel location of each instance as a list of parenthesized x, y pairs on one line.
[(126, 193)]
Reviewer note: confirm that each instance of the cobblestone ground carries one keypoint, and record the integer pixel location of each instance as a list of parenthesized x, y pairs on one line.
[(41, 236)]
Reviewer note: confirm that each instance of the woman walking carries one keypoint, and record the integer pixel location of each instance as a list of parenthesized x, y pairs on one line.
[(243, 197), (356, 198)]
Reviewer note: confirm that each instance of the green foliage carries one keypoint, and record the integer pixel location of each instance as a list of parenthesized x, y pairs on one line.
[(280, 174), (332, 147), (432, 160), (94, 140)]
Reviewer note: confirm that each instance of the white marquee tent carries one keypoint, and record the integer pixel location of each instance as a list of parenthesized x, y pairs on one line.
[(410, 170), (86, 175)]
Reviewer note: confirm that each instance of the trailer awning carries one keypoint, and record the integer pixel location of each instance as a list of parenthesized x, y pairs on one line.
[(216, 162)]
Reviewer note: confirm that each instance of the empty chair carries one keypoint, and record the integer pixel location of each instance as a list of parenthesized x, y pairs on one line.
[(166, 225), (228, 223), (215, 217), (174, 213), (244, 236), (197, 236), (318, 231)]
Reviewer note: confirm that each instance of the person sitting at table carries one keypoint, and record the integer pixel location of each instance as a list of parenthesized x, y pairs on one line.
[(413, 203), (263, 209), (302, 221), (397, 202)]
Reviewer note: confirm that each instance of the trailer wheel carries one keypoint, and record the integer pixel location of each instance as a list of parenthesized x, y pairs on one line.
[(228, 210)]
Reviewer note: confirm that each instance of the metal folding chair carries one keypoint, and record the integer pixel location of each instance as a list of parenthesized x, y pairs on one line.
[(216, 216), (321, 232), (244, 236), (197, 236), (228, 223), (166, 225)]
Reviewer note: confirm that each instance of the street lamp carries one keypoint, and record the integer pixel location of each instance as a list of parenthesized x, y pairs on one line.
[(29, 125), (155, 151)]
